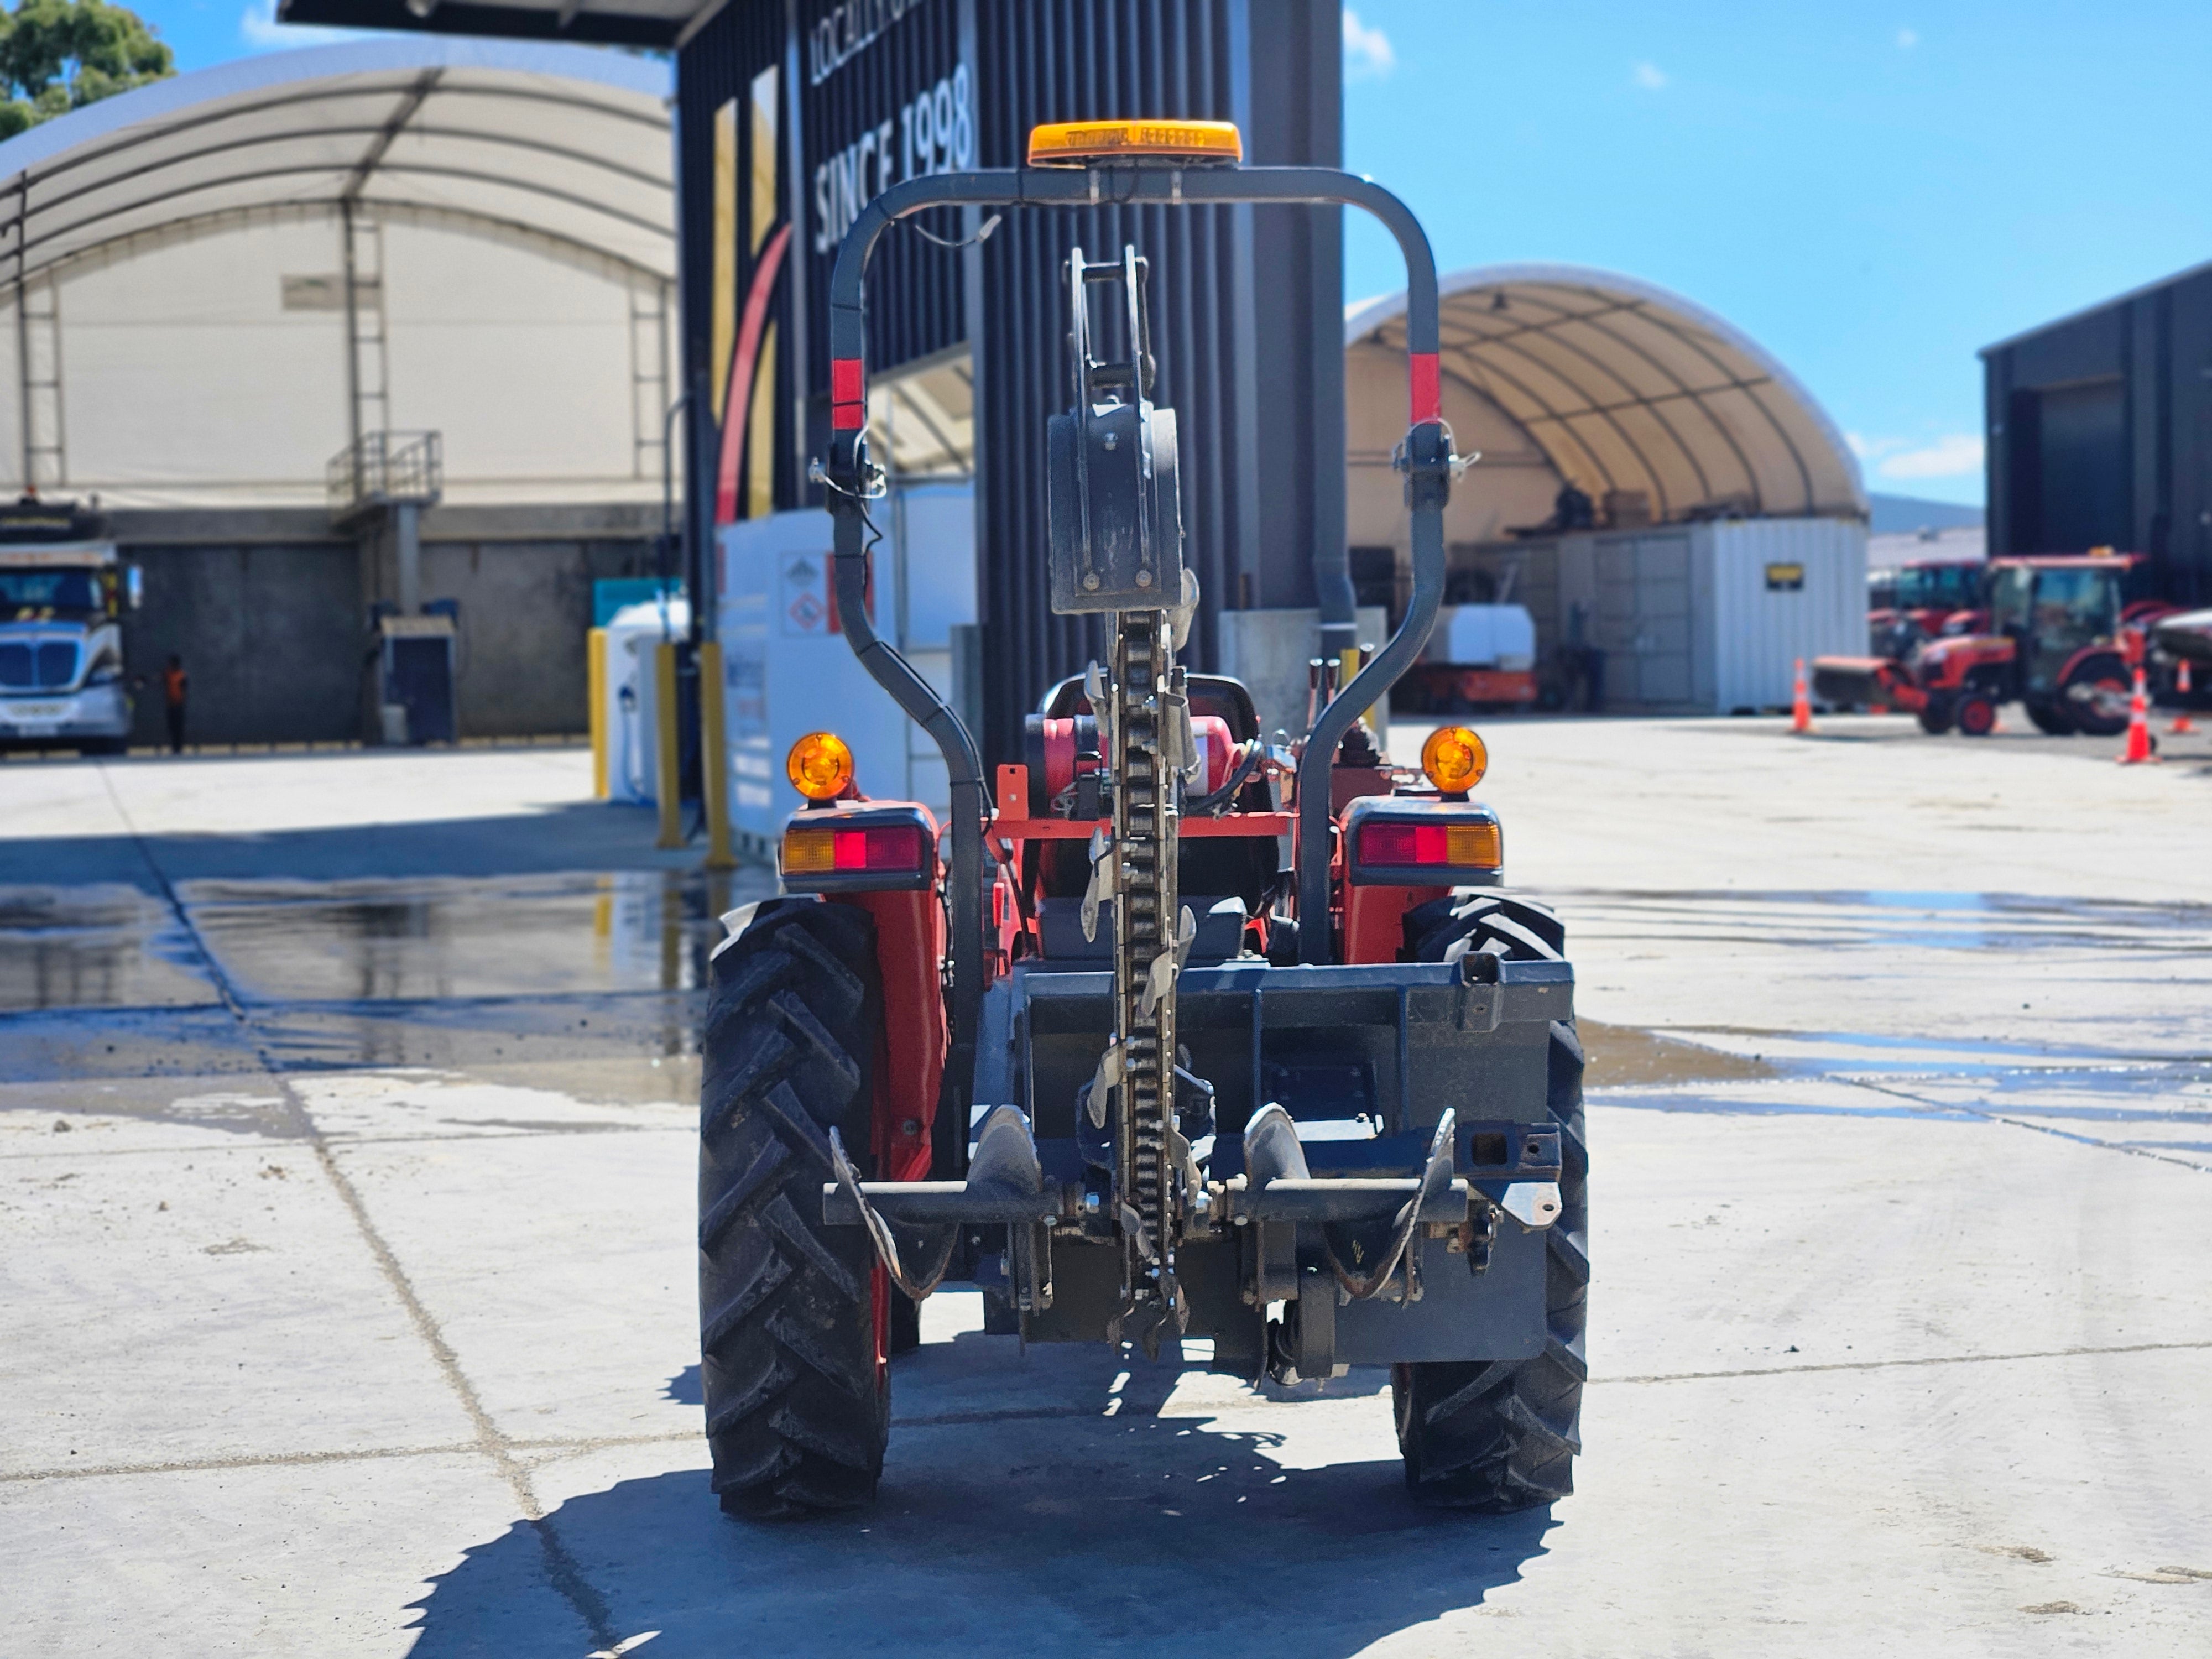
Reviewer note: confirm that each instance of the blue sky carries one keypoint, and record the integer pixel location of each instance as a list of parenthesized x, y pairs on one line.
[(205, 33), (1871, 190)]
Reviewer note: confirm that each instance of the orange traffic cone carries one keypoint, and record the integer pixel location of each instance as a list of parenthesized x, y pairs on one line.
[(1800, 706), (2182, 724), (2138, 750)]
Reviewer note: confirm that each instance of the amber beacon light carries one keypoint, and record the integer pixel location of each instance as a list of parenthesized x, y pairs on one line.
[(819, 766), (1135, 143), (1455, 759)]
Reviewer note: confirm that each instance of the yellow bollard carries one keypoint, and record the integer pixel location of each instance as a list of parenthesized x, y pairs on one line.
[(713, 757), (667, 762), (1348, 663), (595, 681)]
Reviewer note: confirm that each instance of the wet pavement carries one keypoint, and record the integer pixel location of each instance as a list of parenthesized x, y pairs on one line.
[(218, 976), (345, 1267)]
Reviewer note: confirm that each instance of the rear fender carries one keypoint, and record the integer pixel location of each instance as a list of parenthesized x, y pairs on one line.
[(910, 1051), (2088, 652), (1375, 917)]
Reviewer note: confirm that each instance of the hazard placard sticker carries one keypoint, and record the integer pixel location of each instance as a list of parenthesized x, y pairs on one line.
[(803, 594)]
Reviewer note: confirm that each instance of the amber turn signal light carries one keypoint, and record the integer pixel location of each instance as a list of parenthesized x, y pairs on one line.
[(819, 766), (1455, 759)]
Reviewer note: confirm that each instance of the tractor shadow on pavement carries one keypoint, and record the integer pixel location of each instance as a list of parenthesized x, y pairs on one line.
[(1077, 1553), (1042, 1526)]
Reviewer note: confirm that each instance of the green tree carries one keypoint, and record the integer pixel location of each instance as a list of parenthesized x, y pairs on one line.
[(60, 55)]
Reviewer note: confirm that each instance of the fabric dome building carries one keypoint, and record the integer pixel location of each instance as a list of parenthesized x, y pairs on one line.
[(1720, 531), (230, 294)]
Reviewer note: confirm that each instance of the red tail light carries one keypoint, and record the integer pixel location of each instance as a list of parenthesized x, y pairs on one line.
[(887, 848), (818, 852), (1450, 845)]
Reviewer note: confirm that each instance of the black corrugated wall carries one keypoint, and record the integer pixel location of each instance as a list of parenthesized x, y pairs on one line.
[(2100, 434), (1246, 305)]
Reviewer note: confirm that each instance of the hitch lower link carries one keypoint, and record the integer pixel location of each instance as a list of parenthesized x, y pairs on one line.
[(1367, 1225)]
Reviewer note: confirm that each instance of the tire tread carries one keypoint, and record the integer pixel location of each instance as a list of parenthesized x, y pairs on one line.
[(1502, 1435), (797, 1408)]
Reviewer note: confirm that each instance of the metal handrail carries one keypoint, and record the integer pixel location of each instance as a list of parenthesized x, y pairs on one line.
[(387, 469)]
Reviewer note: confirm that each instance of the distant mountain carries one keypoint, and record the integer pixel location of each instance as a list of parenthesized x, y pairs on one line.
[(1900, 515)]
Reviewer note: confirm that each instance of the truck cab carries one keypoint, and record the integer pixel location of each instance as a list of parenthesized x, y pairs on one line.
[(62, 597)]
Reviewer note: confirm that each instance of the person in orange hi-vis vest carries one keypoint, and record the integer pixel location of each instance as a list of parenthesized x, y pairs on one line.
[(173, 683)]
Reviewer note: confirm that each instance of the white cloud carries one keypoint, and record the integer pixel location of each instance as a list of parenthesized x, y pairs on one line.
[(1367, 54), (1650, 76), (1907, 39), (259, 31), (1951, 456)]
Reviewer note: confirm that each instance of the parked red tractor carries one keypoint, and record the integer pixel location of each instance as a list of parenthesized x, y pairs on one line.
[(2063, 635), (1116, 1057), (1922, 599)]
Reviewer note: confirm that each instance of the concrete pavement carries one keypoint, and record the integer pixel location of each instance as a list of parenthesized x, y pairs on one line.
[(346, 1301)]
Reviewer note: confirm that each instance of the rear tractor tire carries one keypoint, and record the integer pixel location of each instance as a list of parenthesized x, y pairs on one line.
[(2052, 720), (797, 1390), (1502, 1435), (2096, 694), (1977, 715)]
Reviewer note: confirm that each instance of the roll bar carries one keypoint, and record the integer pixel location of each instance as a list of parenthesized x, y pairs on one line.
[(1426, 458)]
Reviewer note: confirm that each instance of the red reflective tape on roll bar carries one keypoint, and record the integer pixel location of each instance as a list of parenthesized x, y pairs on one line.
[(1428, 386), (848, 394)]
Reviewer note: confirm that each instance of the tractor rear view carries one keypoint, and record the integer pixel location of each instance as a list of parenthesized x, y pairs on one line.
[(1110, 1052)]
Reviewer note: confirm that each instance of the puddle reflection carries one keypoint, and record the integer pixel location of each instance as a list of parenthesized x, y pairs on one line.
[(440, 938), (103, 946)]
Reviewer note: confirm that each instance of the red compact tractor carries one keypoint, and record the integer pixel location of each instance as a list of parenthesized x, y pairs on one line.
[(2063, 635), (1185, 1034)]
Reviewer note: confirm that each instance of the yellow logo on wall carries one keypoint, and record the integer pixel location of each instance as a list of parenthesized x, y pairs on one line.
[(741, 342)]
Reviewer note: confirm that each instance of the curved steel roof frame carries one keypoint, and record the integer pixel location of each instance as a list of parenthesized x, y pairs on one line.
[(567, 141), (514, 231), (1624, 385)]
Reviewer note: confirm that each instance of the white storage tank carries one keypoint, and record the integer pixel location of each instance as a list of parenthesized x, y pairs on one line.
[(790, 671), (634, 634)]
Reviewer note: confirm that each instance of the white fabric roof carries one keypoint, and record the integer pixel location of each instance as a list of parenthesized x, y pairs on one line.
[(565, 141), (1624, 385)]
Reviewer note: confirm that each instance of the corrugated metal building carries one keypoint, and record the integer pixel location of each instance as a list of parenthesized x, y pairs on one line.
[(792, 113), (970, 334), (2100, 434)]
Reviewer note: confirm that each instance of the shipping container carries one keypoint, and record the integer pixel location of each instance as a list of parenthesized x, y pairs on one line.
[(1696, 618)]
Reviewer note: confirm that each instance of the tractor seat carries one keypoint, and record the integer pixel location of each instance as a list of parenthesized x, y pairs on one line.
[(1210, 693), (1059, 929)]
